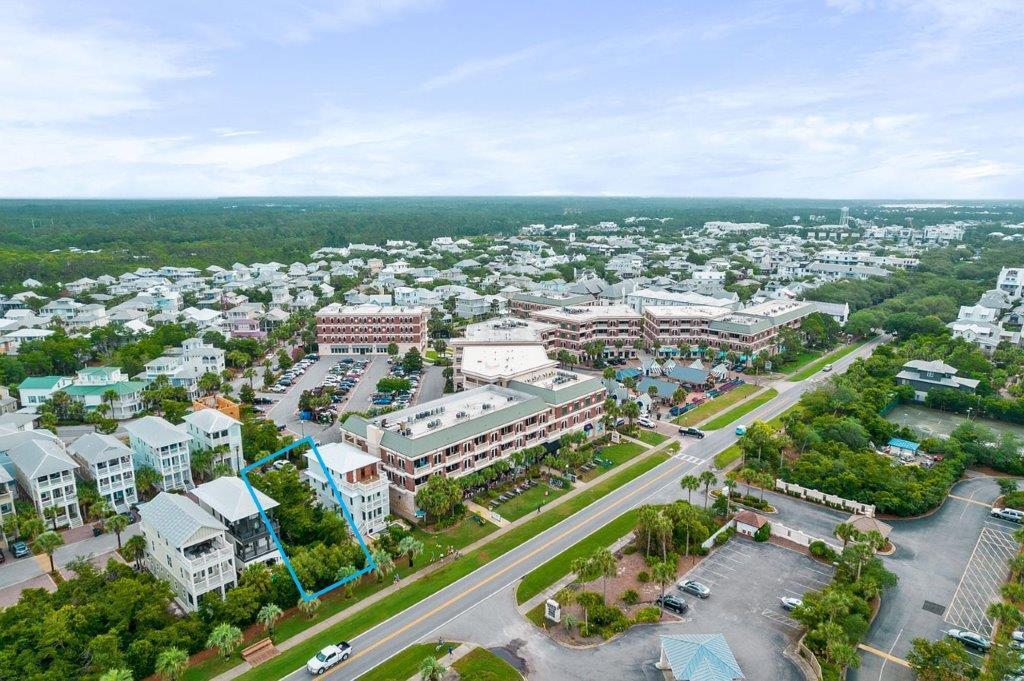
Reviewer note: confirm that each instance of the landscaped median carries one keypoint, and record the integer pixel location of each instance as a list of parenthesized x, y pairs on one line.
[(741, 410), (812, 369), (422, 588)]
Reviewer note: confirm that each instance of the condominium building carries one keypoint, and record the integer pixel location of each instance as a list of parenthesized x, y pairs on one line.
[(523, 303), (464, 432), (641, 299), (506, 332), (228, 500), (369, 329), (673, 325), (360, 481), (93, 385), (213, 429), (46, 472), (107, 461), (188, 548), (619, 327), (164, 447), (184, 366)]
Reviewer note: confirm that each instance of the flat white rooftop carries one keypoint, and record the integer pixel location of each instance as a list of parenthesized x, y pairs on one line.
[(686, 311), (509, 329), (498, 362), (583, 313)]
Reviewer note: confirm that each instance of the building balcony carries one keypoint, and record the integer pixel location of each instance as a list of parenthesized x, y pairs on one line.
[(207, 554)]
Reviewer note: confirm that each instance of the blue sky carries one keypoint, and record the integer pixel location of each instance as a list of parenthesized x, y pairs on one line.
[(815, 98)]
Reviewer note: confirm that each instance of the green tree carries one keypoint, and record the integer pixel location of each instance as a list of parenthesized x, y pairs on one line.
[(309, 607), (146, 480), (847, 533), (171, 664), (707, 478), (663, 572), (268, 616), (942, 660), (134, 549), (439, 497), (689, 483), (431, 669), (412, 360), (410, 546), (226, 638), (384, 564), (47, 543), (603, 564), (117, 524), (116, 675)]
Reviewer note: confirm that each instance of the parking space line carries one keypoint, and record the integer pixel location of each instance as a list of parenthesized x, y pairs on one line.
[(884, 655), (981, 581), (780, 619)]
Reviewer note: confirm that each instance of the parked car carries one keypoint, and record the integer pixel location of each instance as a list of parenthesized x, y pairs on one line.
[(970, 639), (328, 657), (262, 400), (19, 549), (1007, 514), (694, 588), (790, 603), (646, 422), (673, 603), (692, 432)]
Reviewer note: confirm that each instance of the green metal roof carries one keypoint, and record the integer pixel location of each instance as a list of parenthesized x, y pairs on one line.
[(121, 388), (445, 437), (562, 396), (39, 382)]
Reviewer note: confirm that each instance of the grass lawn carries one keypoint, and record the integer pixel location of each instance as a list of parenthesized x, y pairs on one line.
[(457, 537), (481, 664), (812, 369), (713, 406), (528, 501), (802, 360), (405, 664), (293, 658), (727, 456), (617, 455), (745, 408), (651, 437), (561, 565)]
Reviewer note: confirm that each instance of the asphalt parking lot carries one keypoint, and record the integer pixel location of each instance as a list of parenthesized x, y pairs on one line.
[(950, 566)]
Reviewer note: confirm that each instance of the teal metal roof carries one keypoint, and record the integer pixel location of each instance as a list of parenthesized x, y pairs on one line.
[(39, 382), (571, 392), (121, 388), (700, 657)]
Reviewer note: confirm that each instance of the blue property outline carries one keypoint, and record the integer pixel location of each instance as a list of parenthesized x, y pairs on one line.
[(370, 563)]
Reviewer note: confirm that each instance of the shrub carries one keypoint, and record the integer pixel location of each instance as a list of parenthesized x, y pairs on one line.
[(763, 532), (643, 576), (590, 599), (725, 535), (647, 615), (630, 597), (605, 615), (820, 549), (1014, 500), (629, 550)]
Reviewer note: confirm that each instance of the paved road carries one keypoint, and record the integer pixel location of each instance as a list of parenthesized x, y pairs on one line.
[(422, 621)]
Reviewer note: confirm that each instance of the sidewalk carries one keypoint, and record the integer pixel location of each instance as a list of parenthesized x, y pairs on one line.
[(448, 660), (371, 600)]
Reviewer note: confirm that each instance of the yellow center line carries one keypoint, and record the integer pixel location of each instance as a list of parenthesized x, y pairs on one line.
[(969, 501), (884, 655), (455, 599)]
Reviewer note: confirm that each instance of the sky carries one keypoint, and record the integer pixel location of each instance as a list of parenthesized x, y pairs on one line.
[(812, 98)]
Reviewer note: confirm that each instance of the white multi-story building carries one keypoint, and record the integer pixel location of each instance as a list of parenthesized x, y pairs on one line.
[(213, 429), (108, 461), (6, 498), (165, 448), (360, 481), (92, 385), (188, 548), (228, 500), (47, 474), (184, 366), (1011, 280)]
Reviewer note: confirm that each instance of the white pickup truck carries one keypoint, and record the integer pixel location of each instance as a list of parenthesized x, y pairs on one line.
[(328, 657)]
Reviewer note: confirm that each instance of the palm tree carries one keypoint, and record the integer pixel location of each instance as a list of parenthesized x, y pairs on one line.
[(308, 607), (764, 481), (47, 543), (146, 480), (746, 475), (663, 572), (689, 483), (645, 518), (98, 509), (663, 530), (171, 664), (707, 478), (384, 563), (117, 525), (134, 549), (52, 513), (847, 533), (603, 564), (631, 410), (108, 397), (116, 675), (30, 527), (268, 616), (344, 572), (431, 669), (410, 546), (226, 638)]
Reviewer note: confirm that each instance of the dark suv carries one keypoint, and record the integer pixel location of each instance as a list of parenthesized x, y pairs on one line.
[(673, 603)]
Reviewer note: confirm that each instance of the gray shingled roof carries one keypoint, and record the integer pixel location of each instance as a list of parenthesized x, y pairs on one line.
[(96, 447), (177, 518)]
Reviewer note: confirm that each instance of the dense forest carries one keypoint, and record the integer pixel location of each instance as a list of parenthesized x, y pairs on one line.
[(35, 235)]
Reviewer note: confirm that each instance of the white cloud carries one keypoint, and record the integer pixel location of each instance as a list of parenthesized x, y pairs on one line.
[(474, 68)]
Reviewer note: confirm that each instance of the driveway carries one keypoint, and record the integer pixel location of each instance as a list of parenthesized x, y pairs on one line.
[(16, 573), (431, 384)]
